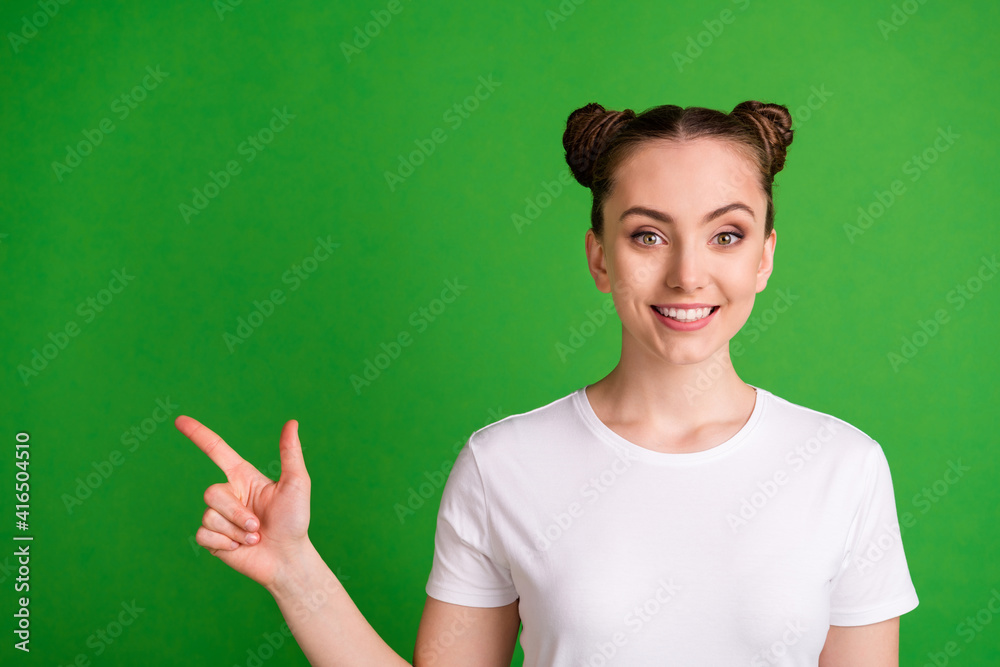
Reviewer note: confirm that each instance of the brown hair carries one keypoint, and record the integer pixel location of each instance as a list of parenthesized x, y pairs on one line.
[(598, 141)]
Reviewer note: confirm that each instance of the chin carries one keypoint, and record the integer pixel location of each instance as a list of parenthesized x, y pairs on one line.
[(687, 355)]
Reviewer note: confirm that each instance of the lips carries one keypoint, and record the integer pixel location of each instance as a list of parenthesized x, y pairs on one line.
[(686, 313)]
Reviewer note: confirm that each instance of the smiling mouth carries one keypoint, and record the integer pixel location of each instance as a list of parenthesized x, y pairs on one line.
[(685, 314)]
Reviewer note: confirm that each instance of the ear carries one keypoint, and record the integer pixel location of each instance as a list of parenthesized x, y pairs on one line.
[(766, 261), (596, 262)]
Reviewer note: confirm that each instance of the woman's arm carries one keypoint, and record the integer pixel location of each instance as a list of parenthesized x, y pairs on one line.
[(260, 528), (332, 632), (326, 623), (875, 645), (452, 635)]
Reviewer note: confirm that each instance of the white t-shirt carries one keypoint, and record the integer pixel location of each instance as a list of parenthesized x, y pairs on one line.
[(743, 554)]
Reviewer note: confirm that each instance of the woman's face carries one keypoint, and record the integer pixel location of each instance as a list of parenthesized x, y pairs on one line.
[(683, 252)]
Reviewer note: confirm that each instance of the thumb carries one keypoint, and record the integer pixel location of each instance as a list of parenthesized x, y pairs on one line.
[(293, 466)]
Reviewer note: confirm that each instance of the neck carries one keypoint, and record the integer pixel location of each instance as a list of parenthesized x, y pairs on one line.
[(668, 396)]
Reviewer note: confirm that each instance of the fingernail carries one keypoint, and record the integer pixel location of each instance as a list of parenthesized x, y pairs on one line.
[(233, 545), (252, 539), (251, 524)]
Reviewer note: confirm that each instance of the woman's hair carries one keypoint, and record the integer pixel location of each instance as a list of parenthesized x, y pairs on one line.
[(598, 141)]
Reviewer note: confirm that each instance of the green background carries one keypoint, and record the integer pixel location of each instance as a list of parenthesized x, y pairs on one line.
[(885, 95)]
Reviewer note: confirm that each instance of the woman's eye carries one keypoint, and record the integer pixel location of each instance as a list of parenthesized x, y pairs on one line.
[(646, 238), (728, 238)]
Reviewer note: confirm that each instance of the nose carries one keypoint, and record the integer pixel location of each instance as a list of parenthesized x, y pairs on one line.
[(686, 268)]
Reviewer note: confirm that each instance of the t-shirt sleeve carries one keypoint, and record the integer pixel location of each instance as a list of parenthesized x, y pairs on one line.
[(874, 582), (465, 570)]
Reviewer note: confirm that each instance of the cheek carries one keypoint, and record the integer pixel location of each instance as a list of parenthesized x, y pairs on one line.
[(633, 283), (741, 276), (625, 273), (741, 286), (739, 311)]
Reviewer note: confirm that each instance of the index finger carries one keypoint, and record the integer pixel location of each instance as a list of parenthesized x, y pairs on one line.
[(209, 442)]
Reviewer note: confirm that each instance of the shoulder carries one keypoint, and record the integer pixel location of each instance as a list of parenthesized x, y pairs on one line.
[(513, 449), (537, 439), (532, 426), (828, 453), (815, 429)]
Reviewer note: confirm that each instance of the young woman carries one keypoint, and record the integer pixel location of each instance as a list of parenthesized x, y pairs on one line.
[(667, 514)]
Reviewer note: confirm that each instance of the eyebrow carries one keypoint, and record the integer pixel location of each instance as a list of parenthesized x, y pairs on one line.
[(666, 218)]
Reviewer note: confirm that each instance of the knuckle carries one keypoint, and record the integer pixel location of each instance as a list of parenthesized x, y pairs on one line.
[(211, 493), (211, 540), (239, 520), (212, 520), (218, 496), (219, 524), (203, 536)]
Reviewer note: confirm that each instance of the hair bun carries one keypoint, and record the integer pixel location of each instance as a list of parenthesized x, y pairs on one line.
[(588, 130), (773, 123)]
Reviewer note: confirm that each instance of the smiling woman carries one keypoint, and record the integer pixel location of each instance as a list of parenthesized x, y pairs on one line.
[(668, 509), (753, 513)]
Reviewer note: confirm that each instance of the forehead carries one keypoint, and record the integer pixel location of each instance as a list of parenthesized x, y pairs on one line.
[(687, 177)]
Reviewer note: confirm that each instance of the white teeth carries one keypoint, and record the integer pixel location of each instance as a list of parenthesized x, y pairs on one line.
[(685, 314)]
